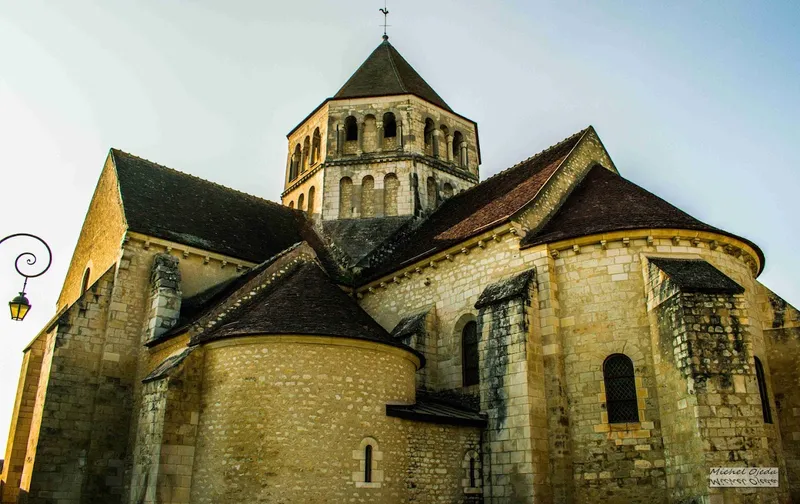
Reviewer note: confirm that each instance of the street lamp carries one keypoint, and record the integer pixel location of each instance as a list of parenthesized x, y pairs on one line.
[(20, 305)]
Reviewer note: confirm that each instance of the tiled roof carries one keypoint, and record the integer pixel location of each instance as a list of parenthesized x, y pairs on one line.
[(305, 301), (165, 203), (605, 202), (385, 73), (695, 275), (487, 204)]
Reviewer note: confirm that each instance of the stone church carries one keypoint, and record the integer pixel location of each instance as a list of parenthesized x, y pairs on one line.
[(397, 330)]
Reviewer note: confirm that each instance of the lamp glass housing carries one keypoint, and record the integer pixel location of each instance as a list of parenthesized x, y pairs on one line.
[(19, 307)]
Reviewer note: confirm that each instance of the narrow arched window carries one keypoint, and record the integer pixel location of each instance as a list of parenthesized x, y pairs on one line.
[(620, 384), (391, 187), (429, 127), (762, 391), (306, 154), (301, 202), (85, 281), (368, 464), (316, 147), (345, 198), (291, 204), (458, 140), (472, 472), (368, 197), (469, 354), (431, 191), (294, 164), (389, 125), (311, 195), (350, 128), (447, 191)]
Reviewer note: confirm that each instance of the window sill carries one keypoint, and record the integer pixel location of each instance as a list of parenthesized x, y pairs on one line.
[(363, 484), (473, 490)]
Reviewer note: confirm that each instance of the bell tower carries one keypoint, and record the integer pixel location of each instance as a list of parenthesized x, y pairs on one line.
[(385, 145)]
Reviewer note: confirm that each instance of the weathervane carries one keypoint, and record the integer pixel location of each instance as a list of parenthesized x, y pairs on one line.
[(385, 12)]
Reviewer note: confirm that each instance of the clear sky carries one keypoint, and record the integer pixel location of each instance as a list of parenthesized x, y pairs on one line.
[(696, 101)]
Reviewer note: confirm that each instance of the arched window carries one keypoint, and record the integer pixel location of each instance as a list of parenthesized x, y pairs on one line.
[(350, 129), (301, 201), (472, 472), (391, 187), (311, 194), (620, 384), (345, 198), (294, 164), (447, 191), (368, 464), (762, 391), (458, 157), (85, 281), (431, 191), (291, 204), (429, 127), (316, 147), (306, 154), (470, 366), (389, 125), (368, 197)]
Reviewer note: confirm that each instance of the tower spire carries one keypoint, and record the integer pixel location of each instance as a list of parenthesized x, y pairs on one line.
[(385, 12)]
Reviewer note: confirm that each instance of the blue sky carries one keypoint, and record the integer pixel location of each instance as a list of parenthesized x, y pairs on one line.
[(696, 101)]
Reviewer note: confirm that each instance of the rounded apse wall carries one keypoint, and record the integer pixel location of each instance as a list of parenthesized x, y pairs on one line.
[(285, 419)]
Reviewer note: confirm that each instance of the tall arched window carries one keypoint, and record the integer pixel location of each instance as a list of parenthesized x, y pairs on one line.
[(345, 198), (316, 147), (762, 391), (311, 195), (458, 139), (429, 127), (368, 464), (470, 360), (306, 154), (350, 129), (620, 384), (391, 187), (291, 204), (389, 125), (368, 197), (294, 164), (431, 191), (85, 281), (301, 201)]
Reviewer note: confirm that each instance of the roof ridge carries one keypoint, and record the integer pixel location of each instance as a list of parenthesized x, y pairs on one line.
[(517, 165), (159, 165), (389, 48)]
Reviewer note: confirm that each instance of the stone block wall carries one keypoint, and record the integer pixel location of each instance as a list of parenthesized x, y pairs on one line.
[(22, 420), (285, 417)]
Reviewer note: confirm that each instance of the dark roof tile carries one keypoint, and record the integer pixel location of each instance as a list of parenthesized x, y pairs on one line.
[(605, 202), (385, 73), (326, 311), (487, 204), (165, 203), (695, 275)]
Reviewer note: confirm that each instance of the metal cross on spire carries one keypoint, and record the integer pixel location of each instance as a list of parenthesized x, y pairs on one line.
[(385, 12)]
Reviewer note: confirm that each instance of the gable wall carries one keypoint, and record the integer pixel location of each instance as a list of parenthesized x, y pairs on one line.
[(100, 238)]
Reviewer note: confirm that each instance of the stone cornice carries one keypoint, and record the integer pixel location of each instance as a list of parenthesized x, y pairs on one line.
[(185, 250)]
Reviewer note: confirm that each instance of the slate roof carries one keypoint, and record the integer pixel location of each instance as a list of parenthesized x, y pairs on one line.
[(429, 409), (409, 325), (696, 275), (359, 237), (477, 209), (304, 301), (385, 73), (168, 204), (508, 288), (605, 202)]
